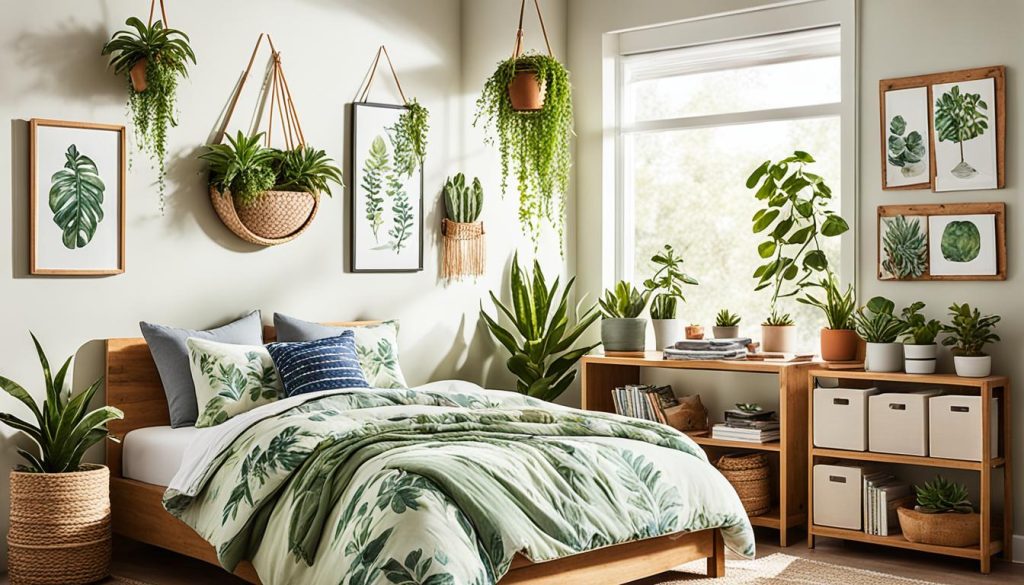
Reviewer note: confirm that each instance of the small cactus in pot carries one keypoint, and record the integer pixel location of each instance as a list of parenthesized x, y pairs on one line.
[(463, 203)]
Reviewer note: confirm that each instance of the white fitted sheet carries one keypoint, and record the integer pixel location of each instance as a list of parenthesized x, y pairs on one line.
[(153, 454)]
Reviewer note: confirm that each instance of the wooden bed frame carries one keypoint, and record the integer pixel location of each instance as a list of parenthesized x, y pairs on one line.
[(133, 385)]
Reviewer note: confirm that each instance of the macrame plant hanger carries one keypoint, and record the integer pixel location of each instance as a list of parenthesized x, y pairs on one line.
[(365, 93), (277, 216), (526, 92)]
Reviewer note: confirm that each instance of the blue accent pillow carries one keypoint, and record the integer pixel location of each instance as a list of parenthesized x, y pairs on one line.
[(324, 364)]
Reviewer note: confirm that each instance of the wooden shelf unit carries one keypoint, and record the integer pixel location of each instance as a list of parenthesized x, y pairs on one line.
[(993, 457), (601, 374)]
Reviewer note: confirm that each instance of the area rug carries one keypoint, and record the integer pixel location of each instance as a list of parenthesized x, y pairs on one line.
[(115, 580), (781, 569)]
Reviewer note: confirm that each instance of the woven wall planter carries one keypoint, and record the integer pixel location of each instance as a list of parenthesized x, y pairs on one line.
[(60, 527), (942, 529), (748, 475), (464, 249), (274, 218)]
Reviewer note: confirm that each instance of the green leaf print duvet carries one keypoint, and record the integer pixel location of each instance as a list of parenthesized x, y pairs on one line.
[(439, 485)]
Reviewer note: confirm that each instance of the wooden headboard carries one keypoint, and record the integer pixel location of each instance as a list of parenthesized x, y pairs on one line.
[(133, 385)]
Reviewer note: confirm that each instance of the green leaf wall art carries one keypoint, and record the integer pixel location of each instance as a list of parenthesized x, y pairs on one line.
[(906, 150), (960, 117), (374, 169), (76, 199), (961, 241), (904, 247)]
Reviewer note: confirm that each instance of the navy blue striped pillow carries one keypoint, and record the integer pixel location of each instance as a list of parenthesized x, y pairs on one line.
[(324, 364)]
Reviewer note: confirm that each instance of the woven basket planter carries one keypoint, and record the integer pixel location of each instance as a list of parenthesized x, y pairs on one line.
[(464, 249), (748, 475), (276, 217), (942, 529), (60, 527)]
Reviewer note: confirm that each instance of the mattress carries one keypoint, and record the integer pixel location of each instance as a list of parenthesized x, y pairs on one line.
[(153, 454)]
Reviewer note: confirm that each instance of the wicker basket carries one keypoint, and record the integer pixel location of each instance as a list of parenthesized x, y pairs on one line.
[(465, 252), (748, 475), (274, 218), (942, 529), (60, 527)]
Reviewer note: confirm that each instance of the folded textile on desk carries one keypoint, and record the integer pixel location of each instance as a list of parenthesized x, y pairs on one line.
[(707, 354)]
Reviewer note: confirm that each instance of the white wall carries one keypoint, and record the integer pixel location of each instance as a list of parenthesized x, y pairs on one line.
[(184, 267)]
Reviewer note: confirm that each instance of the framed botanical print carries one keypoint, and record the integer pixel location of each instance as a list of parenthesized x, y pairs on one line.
[(77, 198), (904, 114), (963, 241), (387, 194)]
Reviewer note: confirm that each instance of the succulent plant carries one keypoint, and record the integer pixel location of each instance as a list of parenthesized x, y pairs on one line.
[(462, 203), (905, 247), (777, 319), (941, 496), (623, 302), (748, 407), (727, 319)]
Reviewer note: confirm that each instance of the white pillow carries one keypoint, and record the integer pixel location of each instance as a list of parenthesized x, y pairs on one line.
[(230, 379)]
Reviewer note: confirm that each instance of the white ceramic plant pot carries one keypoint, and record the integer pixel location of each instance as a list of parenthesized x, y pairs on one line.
[(726, 332), (919, 359), (778, 338), (667, 332), (884, 357), (972, 366)]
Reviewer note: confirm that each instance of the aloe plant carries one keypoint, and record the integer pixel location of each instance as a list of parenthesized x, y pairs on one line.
[(969, 331), (76, 199), (919, 330), (243, 166), (543, 335), (959, 117), (876, 323), (942, 496), (778, 319), (904, 246), (624, 301), (63, 428), (462, 203), (726, 318), (837, 305), (907, 151), (307, 169)]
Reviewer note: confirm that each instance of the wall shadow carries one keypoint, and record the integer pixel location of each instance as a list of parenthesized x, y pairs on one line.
[(19, 199)]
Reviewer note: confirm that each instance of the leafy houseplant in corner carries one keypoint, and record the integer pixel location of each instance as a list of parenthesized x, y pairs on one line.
[(667, 284), (778, 333), (622, 328), (880, 328), (919, 347), (154, 58), (969, 333), (60, 507), (727, 325), (943, 515), (541, 344), (838, 339)]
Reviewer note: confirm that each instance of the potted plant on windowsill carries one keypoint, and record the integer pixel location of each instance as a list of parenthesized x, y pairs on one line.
[(778, 333), (60, 507), (919, 347), (795, 216), (838, 339), (943, 516), (667, 286), (622, 328), (880, 328), (969, 333), (727, 325)]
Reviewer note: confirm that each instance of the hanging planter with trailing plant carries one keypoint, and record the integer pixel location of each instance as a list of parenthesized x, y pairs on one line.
[(265, 195), (528, 103), (154, 58), (465, 251)]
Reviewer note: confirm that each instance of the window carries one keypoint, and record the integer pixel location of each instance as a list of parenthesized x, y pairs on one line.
[(694, 123)]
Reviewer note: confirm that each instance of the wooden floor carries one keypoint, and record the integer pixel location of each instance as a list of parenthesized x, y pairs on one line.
[(160, 567)]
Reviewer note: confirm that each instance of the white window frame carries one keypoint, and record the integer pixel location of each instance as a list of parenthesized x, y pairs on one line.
[(762, 22)]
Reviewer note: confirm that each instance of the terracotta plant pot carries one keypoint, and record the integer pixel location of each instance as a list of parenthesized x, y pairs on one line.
[(949, 529), (695, 332), (838, 345), (623, 335), (778, 338), (666, 332), (731, 332), (138, 75), (526, 92)]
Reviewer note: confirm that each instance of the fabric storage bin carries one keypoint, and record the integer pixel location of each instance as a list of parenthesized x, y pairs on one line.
[(955, 427), (841, 418), (898, 422), (838, 490)]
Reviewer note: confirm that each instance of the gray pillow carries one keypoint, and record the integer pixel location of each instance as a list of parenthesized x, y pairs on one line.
[(167, 344), (290, 329)]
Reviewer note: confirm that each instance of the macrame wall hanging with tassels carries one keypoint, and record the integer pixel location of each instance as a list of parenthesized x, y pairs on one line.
[(274, 217), (464, 249)]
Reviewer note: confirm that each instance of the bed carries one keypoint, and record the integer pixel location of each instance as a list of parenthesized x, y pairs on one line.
[(142, 466)]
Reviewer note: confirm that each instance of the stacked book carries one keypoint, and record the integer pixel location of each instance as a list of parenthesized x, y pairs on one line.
[(749, 427), (644, 401), (708, 349), (883, 494)]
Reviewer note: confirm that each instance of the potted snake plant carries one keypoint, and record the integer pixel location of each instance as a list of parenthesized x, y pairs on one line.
[(880, 328), (667, 286), (969, 333), (838, 339), (919, 348), (622, 327), (60, 507)]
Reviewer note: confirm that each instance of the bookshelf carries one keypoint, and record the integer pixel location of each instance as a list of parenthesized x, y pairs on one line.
[(601, 374), (996, 534)]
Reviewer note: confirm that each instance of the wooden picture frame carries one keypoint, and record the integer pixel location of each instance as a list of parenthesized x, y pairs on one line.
[(974, 213), (107, 256), (903, 85)]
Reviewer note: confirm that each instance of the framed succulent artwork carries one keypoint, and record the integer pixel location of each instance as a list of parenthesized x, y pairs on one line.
[(77, 198), (906, 163), (387, 193), (965, 241)]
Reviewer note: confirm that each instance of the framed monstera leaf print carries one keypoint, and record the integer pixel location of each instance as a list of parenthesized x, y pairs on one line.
[(77, 197)]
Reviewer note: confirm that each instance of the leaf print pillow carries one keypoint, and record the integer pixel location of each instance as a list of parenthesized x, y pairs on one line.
[(230, 379)]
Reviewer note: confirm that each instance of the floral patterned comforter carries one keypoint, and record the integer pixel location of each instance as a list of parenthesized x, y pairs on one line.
[(439, 485)]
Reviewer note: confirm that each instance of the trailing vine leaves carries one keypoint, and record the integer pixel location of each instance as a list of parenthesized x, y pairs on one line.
[(374, 169), (534, 146), (76, 199), (409, 137)]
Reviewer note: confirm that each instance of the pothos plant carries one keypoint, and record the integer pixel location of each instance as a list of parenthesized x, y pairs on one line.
[(794, 216), (409, 136), (164, 54), (534, 146)]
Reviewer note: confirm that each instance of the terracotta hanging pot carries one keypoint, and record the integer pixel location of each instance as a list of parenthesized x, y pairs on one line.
[(138, 75), (525, 91)]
